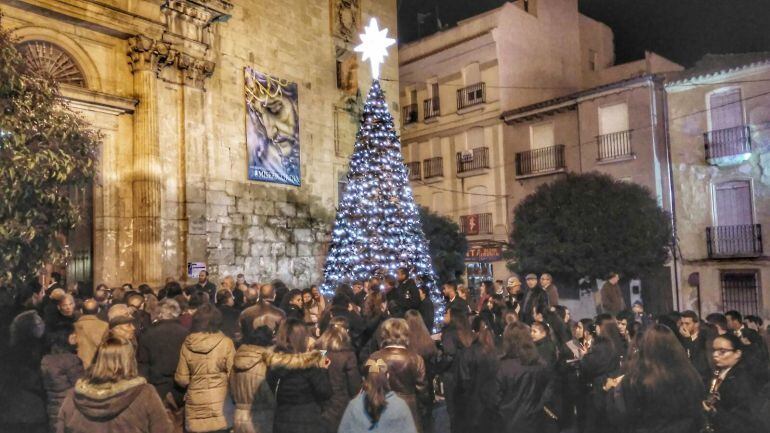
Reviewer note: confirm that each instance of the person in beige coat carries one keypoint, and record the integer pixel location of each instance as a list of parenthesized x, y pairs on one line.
[(254, 401), (205, 364), (90, 331)]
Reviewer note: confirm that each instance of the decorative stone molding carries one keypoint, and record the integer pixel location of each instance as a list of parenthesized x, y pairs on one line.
[(195, 71), (345, 18), (146, 54)]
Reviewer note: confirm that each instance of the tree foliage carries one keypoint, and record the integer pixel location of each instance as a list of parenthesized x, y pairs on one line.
[(588, 225), (45, 150), (446, 244)]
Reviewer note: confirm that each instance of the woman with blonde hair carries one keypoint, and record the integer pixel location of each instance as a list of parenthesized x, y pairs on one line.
[(407, 378), (343, 371), (112, 396), (377, 408)]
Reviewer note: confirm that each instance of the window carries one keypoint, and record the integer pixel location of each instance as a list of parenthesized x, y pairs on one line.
[(740, 291), (434, 90), (733, 203), (53, 61), (413, 96), (725, 109), (613, 118), (541, 136), (342, 185)]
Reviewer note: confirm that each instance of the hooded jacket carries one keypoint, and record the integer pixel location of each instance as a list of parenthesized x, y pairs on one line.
[(60, 371), (254, 401), (205, 363), (126, 406)]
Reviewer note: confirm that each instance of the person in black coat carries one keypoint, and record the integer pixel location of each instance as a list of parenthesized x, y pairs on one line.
[(453, 300), (733, 390), (158, 351), (601, 362), (342, 307), (518, 393), (455, 338), (230, 314), (404, 296), (535, 299), (427, 309), (476, 370), (343, 372), (298, 393), (661, 391), (205, 286), (60, 369), (694, 343)]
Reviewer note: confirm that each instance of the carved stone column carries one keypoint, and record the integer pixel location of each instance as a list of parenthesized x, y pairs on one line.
[(147, 56)]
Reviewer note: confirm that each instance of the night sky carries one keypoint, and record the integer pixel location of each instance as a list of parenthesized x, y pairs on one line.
[(682, 30)]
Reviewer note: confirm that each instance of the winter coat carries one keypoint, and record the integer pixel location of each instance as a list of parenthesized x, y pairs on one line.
[(345, 381), (393, 419), (535, 298), (517, 397), (230, 316), (553, 294), (158, 354), (406, 374), (205, 363), (428, 313), (600, 363), (59, 371), (734, 407), (612, 299), (356, 325), (452, 349), (298, 395), (403, 298), (90, 331), (476, 370), (127, 406), (271, 314), (639, 415), (254, 401), (698, 354)]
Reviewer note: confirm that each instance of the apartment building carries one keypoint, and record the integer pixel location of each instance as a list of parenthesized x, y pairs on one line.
[(719, 128)]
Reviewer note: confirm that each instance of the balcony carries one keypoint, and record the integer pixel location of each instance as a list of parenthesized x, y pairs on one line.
[(476, 224), (434, 168), (729, 145), (473, 162), (538, 162), (409, 114), (432, 109), (615, 146), (471, 96), (414, 170), (734, 241)]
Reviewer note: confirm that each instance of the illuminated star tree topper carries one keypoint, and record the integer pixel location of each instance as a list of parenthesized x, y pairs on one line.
[(374, 46), (377, 228)]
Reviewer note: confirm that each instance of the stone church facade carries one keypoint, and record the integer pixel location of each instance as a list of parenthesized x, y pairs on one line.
[(163, 81)]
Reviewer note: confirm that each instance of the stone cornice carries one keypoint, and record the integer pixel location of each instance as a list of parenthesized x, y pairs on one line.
[(94, 15), (80, 97)]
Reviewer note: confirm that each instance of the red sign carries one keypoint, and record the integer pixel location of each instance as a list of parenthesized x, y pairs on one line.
[(481, 253)]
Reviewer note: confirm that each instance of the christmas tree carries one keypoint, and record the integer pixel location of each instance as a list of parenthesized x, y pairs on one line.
[(377, 228)]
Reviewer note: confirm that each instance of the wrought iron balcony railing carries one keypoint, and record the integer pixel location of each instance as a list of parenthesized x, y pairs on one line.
[(734, 241)]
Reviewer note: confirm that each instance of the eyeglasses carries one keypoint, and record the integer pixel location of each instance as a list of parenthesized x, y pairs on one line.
[(723, 352)]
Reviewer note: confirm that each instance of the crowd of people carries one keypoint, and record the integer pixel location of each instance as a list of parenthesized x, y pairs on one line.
[(262, 358)]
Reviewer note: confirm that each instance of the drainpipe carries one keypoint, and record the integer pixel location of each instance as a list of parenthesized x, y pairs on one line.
[(671, 198)]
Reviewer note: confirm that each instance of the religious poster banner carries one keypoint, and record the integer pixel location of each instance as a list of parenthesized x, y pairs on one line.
[(272, 128)]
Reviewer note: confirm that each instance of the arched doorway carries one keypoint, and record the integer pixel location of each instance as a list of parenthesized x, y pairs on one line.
[(55, 62)]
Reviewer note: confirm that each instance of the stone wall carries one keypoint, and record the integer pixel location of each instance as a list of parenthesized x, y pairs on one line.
[(264, 233)]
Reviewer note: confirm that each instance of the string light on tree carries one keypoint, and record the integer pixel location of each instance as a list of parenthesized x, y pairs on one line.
[(377, 228)]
